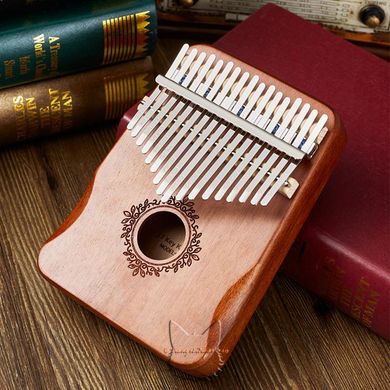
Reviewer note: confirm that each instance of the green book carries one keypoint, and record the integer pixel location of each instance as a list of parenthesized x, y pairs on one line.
[(73, 37)]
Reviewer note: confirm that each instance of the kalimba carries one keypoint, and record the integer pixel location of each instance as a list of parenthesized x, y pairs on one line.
[(190, 215)]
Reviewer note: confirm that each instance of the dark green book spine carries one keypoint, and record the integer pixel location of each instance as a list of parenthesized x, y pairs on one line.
[(6, 5), (14, 7), (74, 39)]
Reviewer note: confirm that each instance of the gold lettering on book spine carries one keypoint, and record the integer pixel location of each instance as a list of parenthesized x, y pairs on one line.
[(46, 114), (125, 37), (121, 92)]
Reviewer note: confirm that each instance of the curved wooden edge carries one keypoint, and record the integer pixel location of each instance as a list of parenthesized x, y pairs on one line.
[(75, 213), (69, 221)]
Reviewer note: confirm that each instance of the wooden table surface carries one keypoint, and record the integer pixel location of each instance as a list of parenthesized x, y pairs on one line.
[(47, 341)]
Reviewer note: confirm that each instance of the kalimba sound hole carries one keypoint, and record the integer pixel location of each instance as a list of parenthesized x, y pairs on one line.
[(161, 235)]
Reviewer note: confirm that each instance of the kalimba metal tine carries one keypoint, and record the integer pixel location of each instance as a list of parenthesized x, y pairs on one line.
[(218, 81), (305, 129), (170, 146), (173, 68), (162, 128), (143, 108), (258, 177), (245, 162), (236, 90), (210, 79), (179, 76), (245, 96), (281, 132), (194, 69), (211, 156), (202, 73), (253, 100), (272, 126), (175, 142), (297, 122), (195, 175), (315, 133), (170, 132), (279, 182), (248, 174), (151, 126), (191, 158), (267, 114), (238, 109), (143, 121), (225, 170), (226, 88), (268, 181), (187, 155), (262, 103)]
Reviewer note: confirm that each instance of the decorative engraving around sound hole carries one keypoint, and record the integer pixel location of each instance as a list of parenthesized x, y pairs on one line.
[(160, 237)]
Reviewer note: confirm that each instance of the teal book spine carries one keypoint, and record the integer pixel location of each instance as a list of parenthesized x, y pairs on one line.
[(11, 8), (75, 38), (17, 4)]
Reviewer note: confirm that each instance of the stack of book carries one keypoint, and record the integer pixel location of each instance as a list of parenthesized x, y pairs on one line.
[(65, 65)]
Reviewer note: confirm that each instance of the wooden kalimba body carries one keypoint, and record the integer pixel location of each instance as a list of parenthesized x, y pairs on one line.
[(190, 215)]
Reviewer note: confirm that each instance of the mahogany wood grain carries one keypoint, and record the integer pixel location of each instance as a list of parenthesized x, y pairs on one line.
[(47, 341), (193, 317)]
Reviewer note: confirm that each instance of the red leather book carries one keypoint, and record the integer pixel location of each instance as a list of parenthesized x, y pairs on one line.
[(342, 253)]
